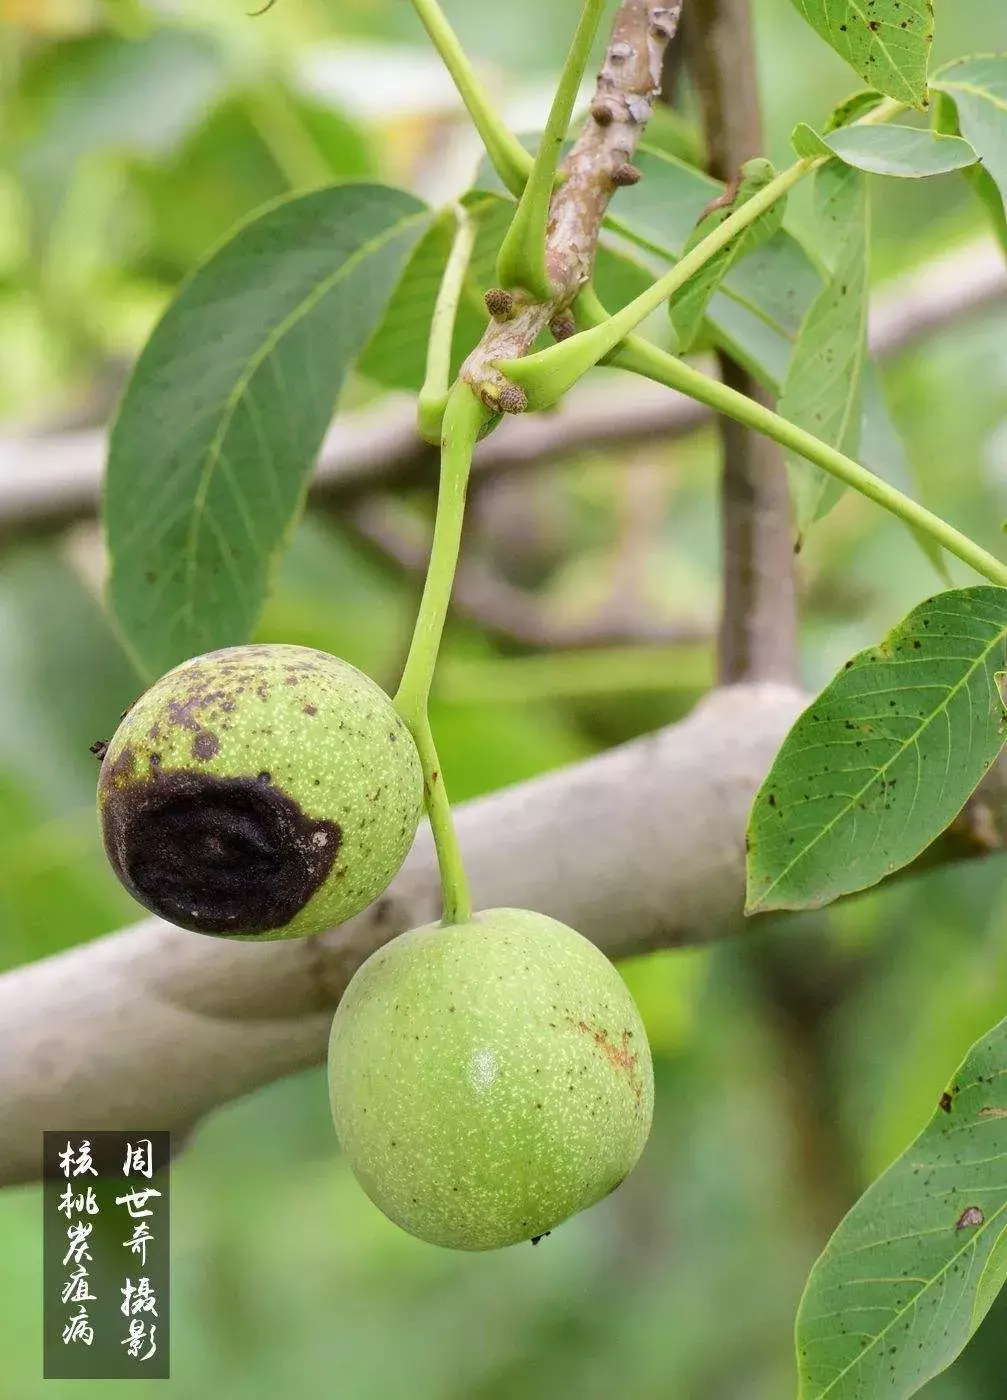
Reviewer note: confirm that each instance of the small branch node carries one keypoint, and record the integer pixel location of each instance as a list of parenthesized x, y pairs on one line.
[(626, 174), (511, 398), (563, 327), (664, 23), (603, 113), (500, 303)]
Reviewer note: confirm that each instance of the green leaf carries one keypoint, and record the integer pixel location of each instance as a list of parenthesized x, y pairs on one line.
[(756, 312), (822, 391), (213, 447), (916, 1264), (885, 758), (853, 108), (396, 356), (688, 307), (886, 42), (978, 88), (991, 1280), (908, 152), (808, 143)]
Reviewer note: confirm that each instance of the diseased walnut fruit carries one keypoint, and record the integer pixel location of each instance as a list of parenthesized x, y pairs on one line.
[(489, 1079), (260, 792)]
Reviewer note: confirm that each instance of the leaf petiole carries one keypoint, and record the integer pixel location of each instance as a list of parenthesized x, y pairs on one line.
[(640, 357), (508, 157), (521, 260), (433, 396)]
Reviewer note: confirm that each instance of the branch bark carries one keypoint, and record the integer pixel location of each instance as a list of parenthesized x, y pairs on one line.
[(154, 1027), (600, 161), (639, 848), (758, 627)]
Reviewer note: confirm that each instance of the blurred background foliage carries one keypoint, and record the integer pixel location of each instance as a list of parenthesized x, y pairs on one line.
[(791, 1066)]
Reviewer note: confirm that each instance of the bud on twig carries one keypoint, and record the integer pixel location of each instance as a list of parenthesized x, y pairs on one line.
[(563, 327), (512, 399), (626, 174), (499, 303), (664, 23)]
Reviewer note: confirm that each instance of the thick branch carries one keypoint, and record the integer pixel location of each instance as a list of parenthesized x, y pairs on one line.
[(600, 161), (639, 848), (758, 629), (154, 1027), (53, 479)]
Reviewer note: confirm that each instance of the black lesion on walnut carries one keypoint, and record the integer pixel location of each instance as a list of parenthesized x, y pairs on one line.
[(216, 855)]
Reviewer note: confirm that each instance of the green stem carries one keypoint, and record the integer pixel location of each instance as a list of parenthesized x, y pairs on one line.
[(464, 417), (433, 396), (508, 157), (883, 112), (549, 374), (455, 894), (522, 260), (641, 357)]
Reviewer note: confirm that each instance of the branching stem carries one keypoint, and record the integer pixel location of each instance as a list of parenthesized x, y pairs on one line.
[(546, 376)]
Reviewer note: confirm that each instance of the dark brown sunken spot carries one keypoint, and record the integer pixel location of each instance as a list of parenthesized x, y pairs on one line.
[(217, 855), (206, 745)]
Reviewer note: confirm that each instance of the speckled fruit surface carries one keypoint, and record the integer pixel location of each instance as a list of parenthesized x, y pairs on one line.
[(489, 1079), (260, 792)]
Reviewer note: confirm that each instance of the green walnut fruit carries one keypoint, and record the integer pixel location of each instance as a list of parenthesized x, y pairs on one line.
[(260, 792), (488, 1079)]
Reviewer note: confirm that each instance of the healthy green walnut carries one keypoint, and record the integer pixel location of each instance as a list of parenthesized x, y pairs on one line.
[(260, 792), (488, 1079)]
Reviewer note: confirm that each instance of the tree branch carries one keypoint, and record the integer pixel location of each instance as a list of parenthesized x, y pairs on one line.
[(758, 627), (600, 161), (155, 1027), (52, 479), (640, 847)]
